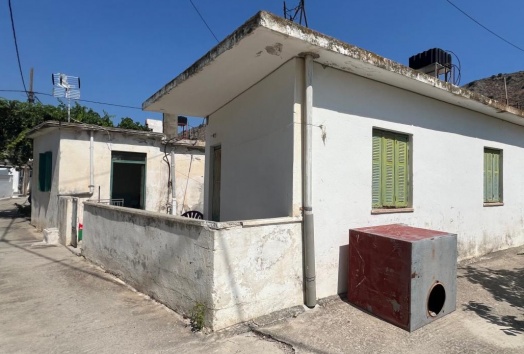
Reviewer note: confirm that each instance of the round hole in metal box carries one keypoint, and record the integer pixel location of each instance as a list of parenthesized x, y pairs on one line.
[(436, 299)]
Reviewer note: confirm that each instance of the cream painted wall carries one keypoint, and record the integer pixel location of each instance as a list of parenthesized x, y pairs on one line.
[(190, 166), (447, 145), (74, 170), (44, 205), (256, 132), (71, 171)]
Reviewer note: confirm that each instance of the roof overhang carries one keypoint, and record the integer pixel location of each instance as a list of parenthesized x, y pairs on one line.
[(266, 41), (51, 125)]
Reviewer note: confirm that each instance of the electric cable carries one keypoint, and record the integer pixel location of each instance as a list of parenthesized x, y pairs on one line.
[(202, 18), (481, 25), (16, 47), (81, 100)]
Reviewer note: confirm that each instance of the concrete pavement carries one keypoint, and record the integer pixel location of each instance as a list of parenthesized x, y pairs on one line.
[(52, 301)]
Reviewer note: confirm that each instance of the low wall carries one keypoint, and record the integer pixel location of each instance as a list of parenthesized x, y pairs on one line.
[(237, 270), (166, 257), (257, 269)]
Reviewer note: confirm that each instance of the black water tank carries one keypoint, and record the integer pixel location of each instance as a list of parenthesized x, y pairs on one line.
[(431, 56)]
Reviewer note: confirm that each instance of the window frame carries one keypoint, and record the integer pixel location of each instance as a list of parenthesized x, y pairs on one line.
[(45, 171), (391, 166), (495, 181)]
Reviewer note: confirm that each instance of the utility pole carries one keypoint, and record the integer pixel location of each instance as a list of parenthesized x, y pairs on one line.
[(31, 94)]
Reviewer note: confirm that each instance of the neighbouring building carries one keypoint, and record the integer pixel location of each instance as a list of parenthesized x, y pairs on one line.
[(77, 162), (9, 178), (303, 126)]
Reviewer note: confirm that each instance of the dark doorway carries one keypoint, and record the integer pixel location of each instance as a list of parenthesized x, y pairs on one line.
[(128, 174)]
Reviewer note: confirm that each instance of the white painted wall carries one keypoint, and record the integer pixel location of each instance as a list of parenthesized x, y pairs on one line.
[(257, 270), (256, 133), (447, 168), (44, 205), (8, 180), (238, 270), (71, 171), (167, 257), (190, 164)]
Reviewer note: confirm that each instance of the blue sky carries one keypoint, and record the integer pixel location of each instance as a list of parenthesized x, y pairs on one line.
[(124, 51)]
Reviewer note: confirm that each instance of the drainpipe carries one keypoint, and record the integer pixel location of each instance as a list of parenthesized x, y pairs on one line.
[(173, 191), (308, 224), (91, 165)]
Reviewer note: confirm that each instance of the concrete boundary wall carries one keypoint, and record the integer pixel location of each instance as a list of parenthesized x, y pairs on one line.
[(238, 270)]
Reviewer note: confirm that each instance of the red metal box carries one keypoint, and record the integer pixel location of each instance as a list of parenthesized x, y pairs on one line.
[(402, 274)]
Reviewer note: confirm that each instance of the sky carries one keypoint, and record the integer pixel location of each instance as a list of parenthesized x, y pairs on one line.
[(124, 51)]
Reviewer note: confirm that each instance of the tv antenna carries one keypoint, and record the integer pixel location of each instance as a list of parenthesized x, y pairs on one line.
[(298, 11), (68, 87)]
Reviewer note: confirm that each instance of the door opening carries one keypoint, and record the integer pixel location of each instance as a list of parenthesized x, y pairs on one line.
[(128, 174)]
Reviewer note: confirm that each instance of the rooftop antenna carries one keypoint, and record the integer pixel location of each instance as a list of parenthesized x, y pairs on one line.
[(68, 87), (298, 11)]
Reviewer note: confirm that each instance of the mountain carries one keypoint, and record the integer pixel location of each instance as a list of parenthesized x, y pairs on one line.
[(493, 87)]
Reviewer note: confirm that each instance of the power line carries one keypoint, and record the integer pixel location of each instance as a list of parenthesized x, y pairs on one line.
[(202, 18), (487, 29), (16, 47), (97, 102)]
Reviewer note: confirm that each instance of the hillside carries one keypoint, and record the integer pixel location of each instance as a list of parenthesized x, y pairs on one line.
[(493, 87)]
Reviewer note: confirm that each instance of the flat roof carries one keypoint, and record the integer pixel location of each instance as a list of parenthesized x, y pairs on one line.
[(50, 125), (266, 41)]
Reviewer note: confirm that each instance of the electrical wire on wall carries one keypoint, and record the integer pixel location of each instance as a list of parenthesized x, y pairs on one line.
[(169, 182), (187, 183)]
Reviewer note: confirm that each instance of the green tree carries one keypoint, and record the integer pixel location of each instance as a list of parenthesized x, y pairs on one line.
[(128, 123), (17, 118)]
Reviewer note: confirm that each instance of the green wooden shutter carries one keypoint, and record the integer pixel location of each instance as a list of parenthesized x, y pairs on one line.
[(401, 173), (496, 175), (489, 175), (377, 167), (41, 171), (388, 177), (48, 170)]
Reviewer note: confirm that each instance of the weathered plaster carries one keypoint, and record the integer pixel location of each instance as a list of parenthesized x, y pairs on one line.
[(182, 262)]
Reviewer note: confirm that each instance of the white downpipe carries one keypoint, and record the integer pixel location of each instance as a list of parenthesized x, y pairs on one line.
[(91, 164), (308, 219), (173, 189)]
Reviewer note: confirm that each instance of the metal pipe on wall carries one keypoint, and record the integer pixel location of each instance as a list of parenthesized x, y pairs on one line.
[(307, 208), (173, 189), (91, 164)]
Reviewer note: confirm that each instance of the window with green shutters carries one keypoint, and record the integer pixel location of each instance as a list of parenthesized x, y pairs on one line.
[(492, 176), (45, 171), (390, 170)]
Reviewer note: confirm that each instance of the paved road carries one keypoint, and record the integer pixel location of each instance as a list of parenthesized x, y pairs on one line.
[(52, 301)]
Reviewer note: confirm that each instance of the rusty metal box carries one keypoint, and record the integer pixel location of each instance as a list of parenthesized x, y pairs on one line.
[(402, 274)]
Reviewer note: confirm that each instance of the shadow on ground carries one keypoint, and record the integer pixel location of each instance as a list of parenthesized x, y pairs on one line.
[(505, 286)]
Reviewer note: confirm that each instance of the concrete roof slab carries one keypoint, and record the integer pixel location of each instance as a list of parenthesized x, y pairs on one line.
[(266, 41)]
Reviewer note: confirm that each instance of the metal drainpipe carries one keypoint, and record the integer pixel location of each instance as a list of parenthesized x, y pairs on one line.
[(91, 165), (173, 191), (308, 224)]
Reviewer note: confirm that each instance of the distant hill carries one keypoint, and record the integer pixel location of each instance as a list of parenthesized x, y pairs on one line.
[(493, 87)]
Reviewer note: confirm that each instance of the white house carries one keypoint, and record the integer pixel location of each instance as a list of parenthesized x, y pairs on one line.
[(78, 162), (302, 126), (9, 178)]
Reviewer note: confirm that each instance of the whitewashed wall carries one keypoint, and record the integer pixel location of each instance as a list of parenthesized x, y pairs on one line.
[(190, 166), (44, 205), (74, 167), (447, 169), (257, 269), (238, 270), (256, 132)]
